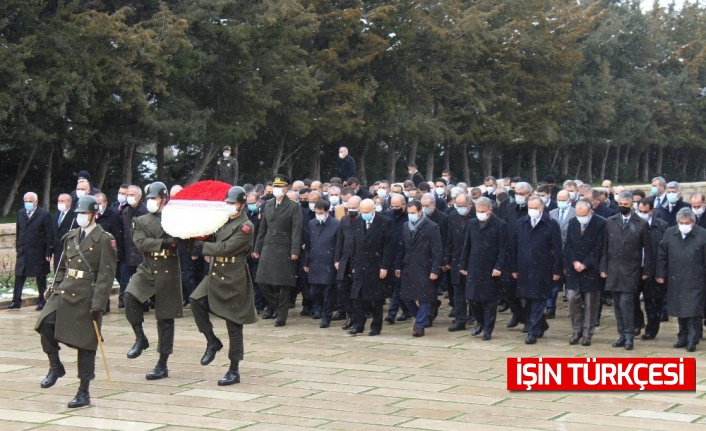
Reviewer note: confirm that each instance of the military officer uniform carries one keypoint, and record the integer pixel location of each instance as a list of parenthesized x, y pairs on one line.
[(278, 239), (227, 290), (81, 290), (158, 275), (227, 168)]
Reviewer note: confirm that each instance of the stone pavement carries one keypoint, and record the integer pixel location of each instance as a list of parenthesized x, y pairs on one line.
[(301, 377)]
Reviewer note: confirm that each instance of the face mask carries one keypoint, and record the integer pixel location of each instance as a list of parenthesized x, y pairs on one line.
[(482, 216), (345, 205), (644, 216), (521, 200), (448, 180), (229, 209), (616, 197), (131, 200), (413, 218), (277, 192), (634, 206), (382, 193), (80, 194), (572, 195), (226, 154), (490, 189), (406, 193), (101, 208), (378, 208), (252, 207), (29, 206), (398, 211), (440, 191), (304, 204), (583, 220), (341, 155), (426, 210), (699, 212), (353, 213), (654, 190), (321, 217), (310, 205), (82, 219), (534, 214), (152, 205), (624, 210), (454, 193), (367, 216), (335, 200), (672, 197), (545, 199), (461, 210), (562, 204), (685, 228), (475, 201), (325, 193), (61, 207), (122, 199), (410, 172)]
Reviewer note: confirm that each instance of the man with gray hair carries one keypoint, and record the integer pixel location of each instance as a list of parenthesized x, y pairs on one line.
[(627, 243), (682, 261), (659, 193), (674, 204), (132, 257), (34, 243)]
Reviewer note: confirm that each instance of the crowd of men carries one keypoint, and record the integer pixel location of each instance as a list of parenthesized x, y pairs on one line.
[(350, 250)]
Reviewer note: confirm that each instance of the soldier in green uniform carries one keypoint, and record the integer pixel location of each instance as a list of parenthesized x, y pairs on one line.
[(227, 290), (81, 290), (278, 247), (159, 275), (227, 167)]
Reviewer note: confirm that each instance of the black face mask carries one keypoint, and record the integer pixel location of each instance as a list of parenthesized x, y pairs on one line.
[(398, 211), (624, 210), (353, 213), (305, 204)]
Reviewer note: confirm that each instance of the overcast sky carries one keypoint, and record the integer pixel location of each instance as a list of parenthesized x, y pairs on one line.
[(647, 4)]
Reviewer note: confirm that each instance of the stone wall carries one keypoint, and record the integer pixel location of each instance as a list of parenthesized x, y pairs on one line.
[(7, 248)]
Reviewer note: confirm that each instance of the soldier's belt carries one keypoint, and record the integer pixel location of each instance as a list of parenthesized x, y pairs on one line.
[(280, 232), (225, 259), (162, 253), (75, 273)]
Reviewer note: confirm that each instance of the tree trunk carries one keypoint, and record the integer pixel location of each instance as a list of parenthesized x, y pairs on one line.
[(362, 174), (290, 166), (207, 153), (159, 157), (22, 170), (554, 159), (616, 164), (103, 169), (533, 165), (277, 162), (500, 165), (646, 165), (578, 168), (466, 168), (447, 156), (589, 163), (565, 163), (413, 151), (604, 161), (518, 168), (46, 190), (392, 157), (684, 165), (430, 164), (660, 159), (128, 153), (487, 160), (315, 163)]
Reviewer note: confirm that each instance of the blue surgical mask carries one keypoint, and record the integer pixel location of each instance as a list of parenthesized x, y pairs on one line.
[(562, 204), (367, 216), (654, 190), (29, 206), (252, 207), (426, 210), (413, 218), (462, 210)]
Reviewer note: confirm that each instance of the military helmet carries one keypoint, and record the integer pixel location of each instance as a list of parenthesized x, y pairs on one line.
[(156, 190), (236, 194), (87, 204)]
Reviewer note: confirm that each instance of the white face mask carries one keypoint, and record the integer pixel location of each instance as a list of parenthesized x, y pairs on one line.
[(572, 195), (482, 216), (521, 200), (490, 189), (644, 216), (685, 228), (378, 208), (583, 220), (321, 217), (545, 199), (131, 200), (312, 206), (382, 193), (152, 205), (672, 197), (122, 199), (101, 208), (406, 193), (534, 214), (62, 207), (335, 200), (80, 194), (226, 154), (699, 212), (342, 155), (440, 191), (230, 209), (277, 192), (562, 204), (82, 219)]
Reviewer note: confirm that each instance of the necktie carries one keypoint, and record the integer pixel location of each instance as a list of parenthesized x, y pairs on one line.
[(534, 223), (659, 201), (82, 236), (561, 217), (61, 218), (625, 222), (583, 227), (367, 225)]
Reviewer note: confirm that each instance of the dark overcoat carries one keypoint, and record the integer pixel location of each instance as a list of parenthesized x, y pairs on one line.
[(111, 223), (60, 230), (419, 256), (536, 256), (227, 170), (622, 253), (344, 247), (279, 237), (484, 249), (587, 248), (132, 256), (371, 251), (34, 241), (683, 263), (320, 251), (456, 238)]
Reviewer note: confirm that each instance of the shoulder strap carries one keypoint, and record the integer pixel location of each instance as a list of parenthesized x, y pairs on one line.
[(80, 253)]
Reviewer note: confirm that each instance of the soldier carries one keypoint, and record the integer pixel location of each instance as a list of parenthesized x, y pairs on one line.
[(278, 247), (81, 290), (227, 168), (158, 275), (227, 290)]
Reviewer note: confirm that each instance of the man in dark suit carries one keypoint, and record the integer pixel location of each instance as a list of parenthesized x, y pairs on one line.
[(545, 194), (398, 215), (121, 199), (110, 221), (278, 247), (319, 259), (440, 219), (254, 214), (483, 260), (133, 257), (536, 262), (456, 237), (371, 260), (346, 167), (34, 244), (674, 204), (698, 207), (510, 212), (583, 250), (343, 262), (601, 205), (653, 293), (359, 191), (627, 236), (416, 176), (490, 189), (659, 194), (62, 222)]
